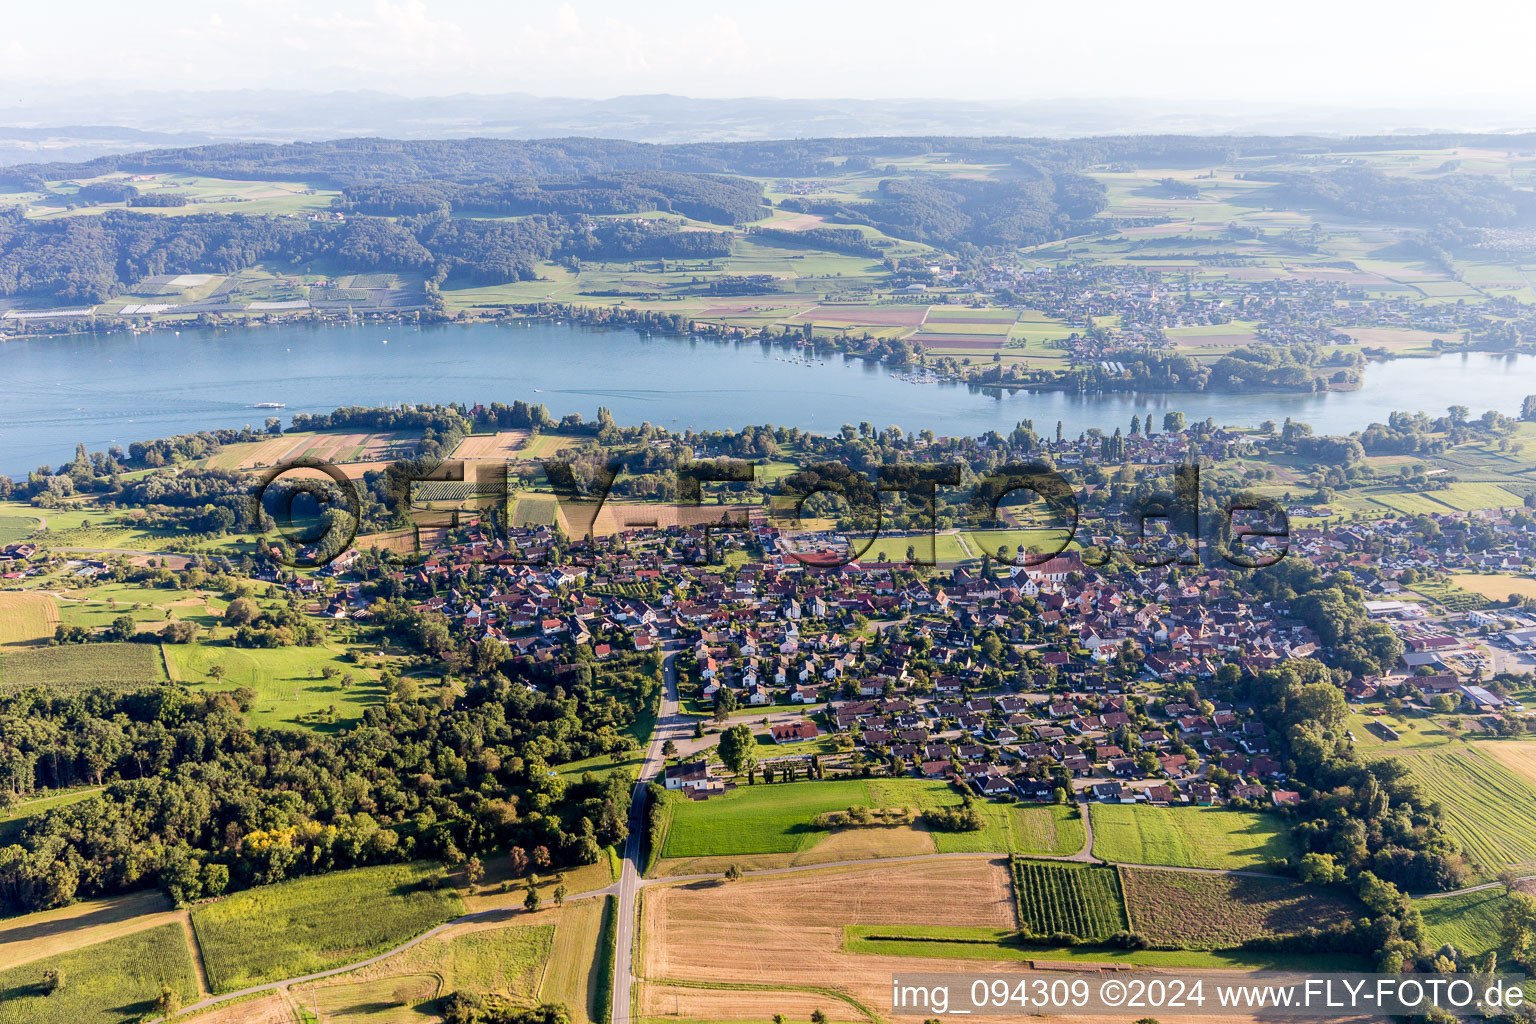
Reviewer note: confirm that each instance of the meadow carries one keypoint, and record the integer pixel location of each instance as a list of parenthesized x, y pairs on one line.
[(312, 924), (81, 666), (1187, 837), (1473, 922), (288, 680), (1079, 899), (572, 975), (1204, 911), (112, 982)]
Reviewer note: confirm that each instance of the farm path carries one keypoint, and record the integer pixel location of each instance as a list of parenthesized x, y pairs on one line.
[(1470, 888), (671, 724), (203, 988), (274, 986)]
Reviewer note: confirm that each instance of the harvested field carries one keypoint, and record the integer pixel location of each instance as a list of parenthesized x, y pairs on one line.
[(1495, 587), (884, 316), (1395, 338), (571, 976), (973, 342), (1199, 911), (1519, 756), (53, 932), (332, 448), (616, 517), (268, 1009), (27, 618), (491, 446)]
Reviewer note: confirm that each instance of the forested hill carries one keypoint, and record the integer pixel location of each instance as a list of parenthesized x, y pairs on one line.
[(346, 162)]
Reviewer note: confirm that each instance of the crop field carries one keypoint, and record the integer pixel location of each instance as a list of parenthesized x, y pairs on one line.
[(1452, 597), (1187, 837), (787, 930), (1076, 898), (1519, 756), (25, 618), (1488, 808), (311, 924), (81, 666), (17, 528), (1200, 911), (500, 445), (333, 448), (288, 680), (1495, 586), (107, 983)]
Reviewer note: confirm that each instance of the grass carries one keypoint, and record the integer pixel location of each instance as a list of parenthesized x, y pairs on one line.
[(287, 680), (17, 528), (573, 977), (82, 666), (1473, 922), (1196, 837), (108, 983), (1201, 911), (25, 618), (313, 924), (778, 818), (1490, 810), (1495, 586), (1077, 898)]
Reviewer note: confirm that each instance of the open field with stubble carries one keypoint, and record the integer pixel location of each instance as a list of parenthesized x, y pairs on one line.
[(27, 618)]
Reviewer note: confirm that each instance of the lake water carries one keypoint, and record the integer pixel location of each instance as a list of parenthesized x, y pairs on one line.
[(119, 388)]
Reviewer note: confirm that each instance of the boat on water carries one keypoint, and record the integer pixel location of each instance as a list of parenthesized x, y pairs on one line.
[(269, 405)]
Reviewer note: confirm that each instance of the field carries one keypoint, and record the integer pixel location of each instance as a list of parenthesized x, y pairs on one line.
[(1201, 911), (778, 820), (16, 528), (1494, 586), (1197, 837), (572, 976), (287, 680), (312, 924), (1472, 922), (1490, 810), (491, 446), (81, 666), (107, 983), (1076, 898), (1519, 756), (25, 618), (334, 448)]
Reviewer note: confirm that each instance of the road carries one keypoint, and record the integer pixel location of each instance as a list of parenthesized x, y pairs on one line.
[(671, 724)]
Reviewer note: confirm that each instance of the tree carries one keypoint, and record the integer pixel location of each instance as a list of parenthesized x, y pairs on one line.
[(738, 749), (1509, 878), (1519, 933), (1320, 869), (541, 857), (560, 894), (733, 873), (531, 901), (242, 611), (518, 858), (818, 1017), (669, 749), (53, 980), (474, 871), (122, 629), (168, 1002)]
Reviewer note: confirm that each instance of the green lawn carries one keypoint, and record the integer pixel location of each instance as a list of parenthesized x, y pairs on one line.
[(287, 680), (112, 982), (1187, 837), (312, 924)]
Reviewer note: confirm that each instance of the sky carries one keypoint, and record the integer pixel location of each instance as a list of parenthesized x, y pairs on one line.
[(1347, 53)]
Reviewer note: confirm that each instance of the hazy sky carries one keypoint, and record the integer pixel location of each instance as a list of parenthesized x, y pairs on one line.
[(1343, 52)]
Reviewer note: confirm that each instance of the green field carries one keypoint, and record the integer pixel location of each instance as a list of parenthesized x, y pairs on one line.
[(81, 666), (312, 924), (15, 528), (110, 982), (1183, 910), (779, 819), (1187, 837), (1488, 809), (1077, 898), (287, 680), (1473, 922)]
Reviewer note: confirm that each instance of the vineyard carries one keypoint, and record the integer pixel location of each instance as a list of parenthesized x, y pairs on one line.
[(1058, 897)]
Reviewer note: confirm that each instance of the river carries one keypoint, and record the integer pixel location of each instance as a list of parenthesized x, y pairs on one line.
[(119, 388)]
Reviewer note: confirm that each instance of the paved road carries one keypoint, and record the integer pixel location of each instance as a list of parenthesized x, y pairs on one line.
[(671, 724), (1470, 888)]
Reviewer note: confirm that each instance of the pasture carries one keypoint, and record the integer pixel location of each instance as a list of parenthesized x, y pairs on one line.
[(1473, 922), (1200, 911), (26, 617), (107, 983), (1187, 837), (311, 924), (1076, 898), (80, 667), (17, 528)]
